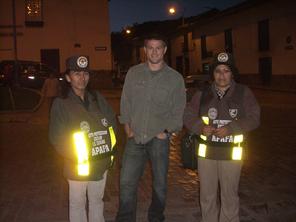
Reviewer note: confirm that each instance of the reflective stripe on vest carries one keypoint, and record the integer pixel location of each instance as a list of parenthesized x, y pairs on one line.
[(202, 148), (81, 153), (113, 141), (81, 150), (237, 149)]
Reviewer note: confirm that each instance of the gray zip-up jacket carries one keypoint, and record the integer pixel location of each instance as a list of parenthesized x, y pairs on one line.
[(152, 102)]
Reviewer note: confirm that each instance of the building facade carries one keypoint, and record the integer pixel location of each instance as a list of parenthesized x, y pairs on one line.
[(261, 35), (52, 30)]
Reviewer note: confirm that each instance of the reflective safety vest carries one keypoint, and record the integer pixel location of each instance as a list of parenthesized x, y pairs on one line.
[(230, 150), (82, 150)]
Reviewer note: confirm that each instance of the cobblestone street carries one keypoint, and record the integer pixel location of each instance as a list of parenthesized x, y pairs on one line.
[(33, 188)]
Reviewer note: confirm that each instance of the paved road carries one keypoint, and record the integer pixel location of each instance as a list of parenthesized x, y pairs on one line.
[(33, 189)]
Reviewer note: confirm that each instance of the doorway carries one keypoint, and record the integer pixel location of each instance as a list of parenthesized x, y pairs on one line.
[(179, 64), (51, 57), (265, 69)]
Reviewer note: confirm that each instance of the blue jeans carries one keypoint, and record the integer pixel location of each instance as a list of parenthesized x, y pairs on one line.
[(134, 159)]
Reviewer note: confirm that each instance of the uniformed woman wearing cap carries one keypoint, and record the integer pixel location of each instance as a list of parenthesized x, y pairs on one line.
[(82, 130), (221, 116)]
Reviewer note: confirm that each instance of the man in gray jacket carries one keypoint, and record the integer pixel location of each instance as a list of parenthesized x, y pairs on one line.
[(152, 104)]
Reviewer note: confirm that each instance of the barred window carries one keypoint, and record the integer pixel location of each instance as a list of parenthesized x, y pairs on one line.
[(263, 35), (204, 51), (228, 40), (33, 13)]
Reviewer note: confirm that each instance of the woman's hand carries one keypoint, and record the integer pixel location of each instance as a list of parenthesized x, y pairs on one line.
[(222, 132), (162, 136), (208, 130)]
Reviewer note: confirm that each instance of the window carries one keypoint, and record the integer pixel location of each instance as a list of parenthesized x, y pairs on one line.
[(204, 53), (185, 44), (138, 55), (265, 69), (33, 13), (228, 40), (205, 68), (179, 64), (263, 35)]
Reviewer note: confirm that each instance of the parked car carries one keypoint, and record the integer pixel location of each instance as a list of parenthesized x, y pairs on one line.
[(195, 82), (30, 74)]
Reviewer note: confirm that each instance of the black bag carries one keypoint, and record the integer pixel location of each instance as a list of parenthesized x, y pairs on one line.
[(188, 154)]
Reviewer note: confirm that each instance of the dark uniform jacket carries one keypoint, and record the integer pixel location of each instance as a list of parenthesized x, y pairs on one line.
[(238, 110), (71, 114)]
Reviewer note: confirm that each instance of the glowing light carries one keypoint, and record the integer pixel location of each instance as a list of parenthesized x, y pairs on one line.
[(238, 138), (237, 153), (172, 10), (202, 150), (203, 137), (82, 153), (206, 120)]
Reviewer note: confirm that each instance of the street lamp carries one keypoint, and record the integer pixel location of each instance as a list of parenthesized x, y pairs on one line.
[(14, 43), (128, 31), (173, 10)]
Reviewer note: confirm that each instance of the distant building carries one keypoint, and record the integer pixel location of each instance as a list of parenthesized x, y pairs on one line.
[(260, 33), (51, 30)]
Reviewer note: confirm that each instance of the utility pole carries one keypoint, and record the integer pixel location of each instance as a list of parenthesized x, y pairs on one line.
[(172, 10), (14, 43)]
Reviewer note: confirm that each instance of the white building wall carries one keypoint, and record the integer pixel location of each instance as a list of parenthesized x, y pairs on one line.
[(283, 58), (66, 23), (244, 24), (245, 49)]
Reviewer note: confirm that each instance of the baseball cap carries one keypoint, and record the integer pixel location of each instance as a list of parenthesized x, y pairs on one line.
[(78, 63), (224, 58)]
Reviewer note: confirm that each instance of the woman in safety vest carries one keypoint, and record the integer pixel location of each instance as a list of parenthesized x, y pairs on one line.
[(221, 115), (82, 126)]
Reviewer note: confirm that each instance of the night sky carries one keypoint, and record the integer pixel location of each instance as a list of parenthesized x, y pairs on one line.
[(127, 12)]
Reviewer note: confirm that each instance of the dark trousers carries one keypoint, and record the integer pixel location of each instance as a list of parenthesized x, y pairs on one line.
[(134, 159)]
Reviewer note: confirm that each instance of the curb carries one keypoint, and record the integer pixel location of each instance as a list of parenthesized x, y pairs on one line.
[(273, 89)]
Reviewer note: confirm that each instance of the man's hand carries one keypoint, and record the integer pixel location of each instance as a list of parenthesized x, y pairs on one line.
[(162, 136), (208, 130), (128, 131), (130, 134), (222, 132)]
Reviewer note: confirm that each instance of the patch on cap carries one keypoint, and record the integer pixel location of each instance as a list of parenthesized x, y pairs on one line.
[(222, 57), (82, 62)]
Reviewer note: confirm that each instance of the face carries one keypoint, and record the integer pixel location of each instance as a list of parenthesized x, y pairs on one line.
[(222, 76), (155, 50), (78, 80)]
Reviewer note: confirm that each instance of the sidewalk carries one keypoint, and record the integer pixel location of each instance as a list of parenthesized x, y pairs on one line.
[(268, 88), (182, 202), (33, 188)]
